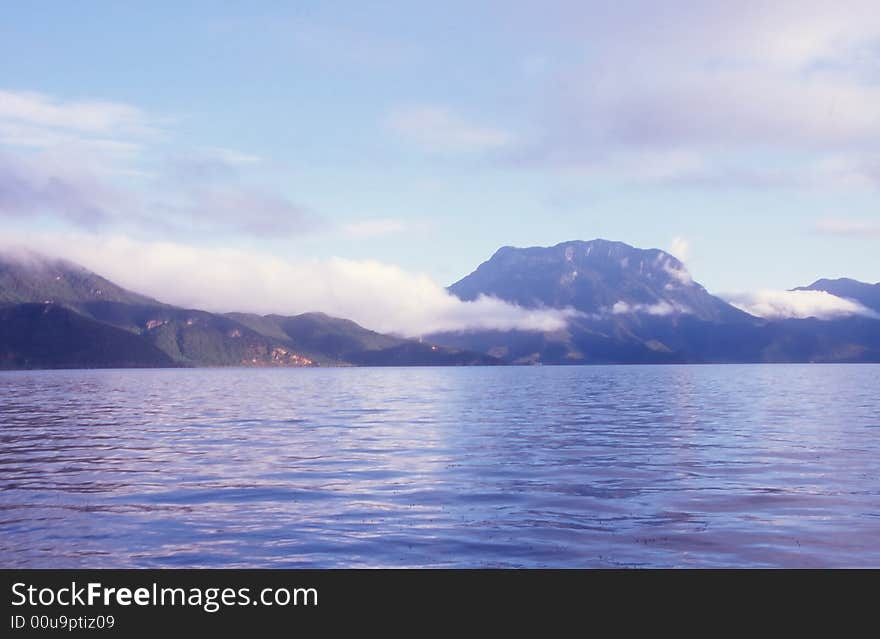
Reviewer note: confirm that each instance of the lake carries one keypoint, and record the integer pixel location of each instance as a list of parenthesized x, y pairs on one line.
[(607, 466)]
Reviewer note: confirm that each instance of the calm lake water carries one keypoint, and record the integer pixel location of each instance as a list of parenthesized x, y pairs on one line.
[(442, 467)]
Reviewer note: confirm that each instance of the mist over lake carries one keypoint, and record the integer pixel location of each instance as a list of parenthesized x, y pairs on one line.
[(603, 466)]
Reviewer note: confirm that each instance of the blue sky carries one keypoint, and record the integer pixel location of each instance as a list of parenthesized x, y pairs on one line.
[(424, 136)]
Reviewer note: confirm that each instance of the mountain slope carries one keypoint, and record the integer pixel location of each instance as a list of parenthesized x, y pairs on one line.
[(634, 306), (32, 278), (53, 336), (328, 339), (195, 338), (686, 341), (336, 341), (641, 306), (183, 337), (594, 277)]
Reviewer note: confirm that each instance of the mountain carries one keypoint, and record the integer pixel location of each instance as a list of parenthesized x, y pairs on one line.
[(640, 306), (56, 314), (868, 295), (337, 341), (630, 306), (31, 278), (52, 336), (594, 277), (634, 305), (334, 340), (683, 340)]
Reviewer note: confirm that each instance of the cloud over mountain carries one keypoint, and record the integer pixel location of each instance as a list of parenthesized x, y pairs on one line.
[(797, 304), (379, 296)]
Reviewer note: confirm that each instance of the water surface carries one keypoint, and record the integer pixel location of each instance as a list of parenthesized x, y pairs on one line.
[(691, 466)]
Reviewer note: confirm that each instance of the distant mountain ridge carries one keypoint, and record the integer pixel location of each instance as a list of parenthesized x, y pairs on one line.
[(597, 276), (640, 306), (632, 306), (56, 314), (868, 295), (54, 336)]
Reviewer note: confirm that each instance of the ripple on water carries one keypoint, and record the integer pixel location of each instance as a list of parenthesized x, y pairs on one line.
[(505, 467)]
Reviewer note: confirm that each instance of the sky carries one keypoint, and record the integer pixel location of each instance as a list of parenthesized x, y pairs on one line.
[(358, 151)]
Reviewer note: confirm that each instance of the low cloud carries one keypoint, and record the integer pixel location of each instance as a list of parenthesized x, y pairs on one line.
[(231, 156), (661, 308), (197, 194), (680, 248), (676, 270), (440, 130), (374, 228), (47, 186), (797, 304), (380, 296), (238, 210)]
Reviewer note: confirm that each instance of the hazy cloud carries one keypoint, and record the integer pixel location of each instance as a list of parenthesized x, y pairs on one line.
[(680, 248), (204, 198), (220, 210), (797, 304), (374, 228), (231, 156), (67, 159), (379, 296), (848, 228), (47, 186), (84, 116), (711, 83), (208, 190), (661, 308), (440, 130)]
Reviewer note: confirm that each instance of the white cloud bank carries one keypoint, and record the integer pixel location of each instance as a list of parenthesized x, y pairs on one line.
[(797, 304), (376, 295)]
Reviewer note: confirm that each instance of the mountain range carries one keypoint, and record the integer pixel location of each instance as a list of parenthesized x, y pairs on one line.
[(868, 295), (643, 306), (624, 304), (56, 314)]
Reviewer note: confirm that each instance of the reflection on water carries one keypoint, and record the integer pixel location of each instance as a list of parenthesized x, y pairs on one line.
[(559, 467)]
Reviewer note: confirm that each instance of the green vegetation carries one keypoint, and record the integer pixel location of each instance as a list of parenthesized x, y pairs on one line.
[(57, 314)]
